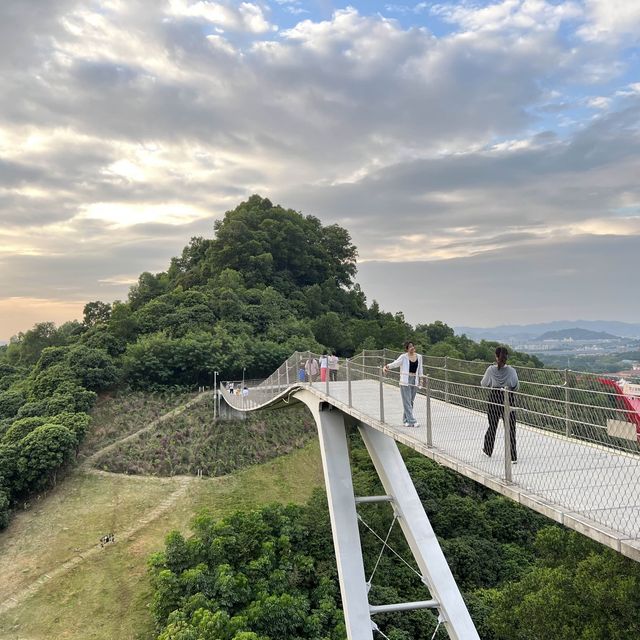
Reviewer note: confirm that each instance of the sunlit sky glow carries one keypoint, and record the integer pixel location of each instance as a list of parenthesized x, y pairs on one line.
[(467, 146)]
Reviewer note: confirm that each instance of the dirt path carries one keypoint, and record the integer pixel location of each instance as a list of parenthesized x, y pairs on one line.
[(122, 536), (88, 462)]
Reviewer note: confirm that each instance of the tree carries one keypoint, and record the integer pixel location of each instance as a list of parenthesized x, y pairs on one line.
[(25, 348), (42, 452), (96, 312), (274, 246), (149, 286), (435, 332)]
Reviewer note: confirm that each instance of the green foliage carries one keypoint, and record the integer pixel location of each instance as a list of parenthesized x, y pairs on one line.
[(519, 584), (435, 332), (588, 594), (4, 508), (10, 403), (280, 247), (20, 428), (251, 576), (42, 452), (96, 313)]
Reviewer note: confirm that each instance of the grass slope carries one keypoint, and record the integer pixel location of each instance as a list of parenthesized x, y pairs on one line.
[(116, 417), (104, 595), (192, 441)]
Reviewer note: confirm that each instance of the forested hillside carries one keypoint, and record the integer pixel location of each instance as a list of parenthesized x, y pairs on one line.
[(269, 282), (269, 574)]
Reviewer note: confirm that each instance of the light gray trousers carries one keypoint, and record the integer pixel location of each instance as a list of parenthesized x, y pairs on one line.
[(408, 394)]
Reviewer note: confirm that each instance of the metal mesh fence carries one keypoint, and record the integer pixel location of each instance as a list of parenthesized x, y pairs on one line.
[(575, 442)]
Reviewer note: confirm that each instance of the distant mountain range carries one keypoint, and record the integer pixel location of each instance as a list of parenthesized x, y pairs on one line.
[(522, 332), (577, 334)]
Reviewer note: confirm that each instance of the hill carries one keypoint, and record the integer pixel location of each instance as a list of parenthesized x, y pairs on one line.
[(577, 334), (270, 282), (525, 332)]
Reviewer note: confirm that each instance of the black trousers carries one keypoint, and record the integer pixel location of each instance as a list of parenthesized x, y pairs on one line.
[(495, 411)]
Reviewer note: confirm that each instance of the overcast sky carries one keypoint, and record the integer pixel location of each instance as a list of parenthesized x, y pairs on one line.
[(483, 155)]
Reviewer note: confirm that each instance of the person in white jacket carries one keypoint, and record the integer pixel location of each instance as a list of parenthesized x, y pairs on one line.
[(410, 365)]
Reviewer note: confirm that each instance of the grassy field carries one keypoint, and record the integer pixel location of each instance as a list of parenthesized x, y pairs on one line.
[(51, 562), (106, 595)]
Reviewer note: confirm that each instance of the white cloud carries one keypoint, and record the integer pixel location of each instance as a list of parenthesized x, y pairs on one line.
[(599, 102), (611, 20), (242, 16), (509, 15)]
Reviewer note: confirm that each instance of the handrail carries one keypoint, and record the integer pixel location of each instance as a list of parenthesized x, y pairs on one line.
[(582, 412)]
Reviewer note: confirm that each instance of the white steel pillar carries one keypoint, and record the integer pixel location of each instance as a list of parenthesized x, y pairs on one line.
[(419, 533), (344, 521)]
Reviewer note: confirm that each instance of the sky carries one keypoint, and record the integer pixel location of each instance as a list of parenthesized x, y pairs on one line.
[(483, 155)]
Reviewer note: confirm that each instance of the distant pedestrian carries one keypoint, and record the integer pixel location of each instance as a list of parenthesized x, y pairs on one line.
[(497, 377), (411, 373), (334, 365), (301, 374), (231, 388), (311, 367), (324, 366)]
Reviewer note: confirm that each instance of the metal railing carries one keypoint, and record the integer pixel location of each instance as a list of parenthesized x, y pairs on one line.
[(569, 425)]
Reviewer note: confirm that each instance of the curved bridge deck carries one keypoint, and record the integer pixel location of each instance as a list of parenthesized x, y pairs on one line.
[(584, 484)]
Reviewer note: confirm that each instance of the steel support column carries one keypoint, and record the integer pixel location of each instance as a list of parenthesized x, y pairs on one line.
[(344, 521), (419, 533)]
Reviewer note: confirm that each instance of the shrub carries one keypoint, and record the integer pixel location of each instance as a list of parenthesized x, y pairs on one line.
[(42, 452), (10, 402), (20, 428)]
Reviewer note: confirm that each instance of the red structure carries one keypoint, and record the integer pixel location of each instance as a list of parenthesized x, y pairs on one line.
[(631, 404)]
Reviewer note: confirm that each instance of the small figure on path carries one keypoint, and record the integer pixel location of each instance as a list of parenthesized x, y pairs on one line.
[(497, 377), (324, 366), (312, 368), (334, 365), (410, 365)]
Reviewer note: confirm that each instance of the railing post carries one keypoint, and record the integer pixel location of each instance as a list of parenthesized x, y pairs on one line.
[(348, 364), (381, 395), (327, 375), (506, 419), (567, 423), (446, 379), (286, 368), (215, 394), (427, 393)]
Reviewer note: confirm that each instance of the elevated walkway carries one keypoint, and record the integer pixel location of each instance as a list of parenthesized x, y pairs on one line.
[(568, 469)]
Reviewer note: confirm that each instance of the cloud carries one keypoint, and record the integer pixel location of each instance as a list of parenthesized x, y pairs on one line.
[(127, 127), (556, 280), (611, 21), (242, 16)]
